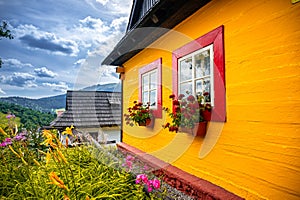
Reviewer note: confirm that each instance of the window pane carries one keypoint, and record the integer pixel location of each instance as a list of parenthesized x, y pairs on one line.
[(202, 62), (207, 62), (199, 87), (207, 88), (153, 98), (199, 61), (186, 88), (145, 82), (185, 67), (153, 80), (145, 97)]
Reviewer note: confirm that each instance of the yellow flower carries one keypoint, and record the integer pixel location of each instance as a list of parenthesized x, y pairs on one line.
[(68, 130), (10, 147), (48, 158), (24, 161), (36, 162), (66, 197), (3, 132), (57, 181), (62, 156)]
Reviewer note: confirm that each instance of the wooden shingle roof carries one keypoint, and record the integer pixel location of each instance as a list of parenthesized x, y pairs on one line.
[(90, 109)]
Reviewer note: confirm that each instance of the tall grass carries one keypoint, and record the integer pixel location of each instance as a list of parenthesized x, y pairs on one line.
[(48, 170)]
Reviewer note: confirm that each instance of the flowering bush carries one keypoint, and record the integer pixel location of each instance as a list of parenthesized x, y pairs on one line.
[(186, 111), (138, 114)]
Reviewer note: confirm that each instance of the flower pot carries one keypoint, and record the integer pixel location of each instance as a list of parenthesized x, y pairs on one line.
[(206, 115), (149, 123), (198, 130)]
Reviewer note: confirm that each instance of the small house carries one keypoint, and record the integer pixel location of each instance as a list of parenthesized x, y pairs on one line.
[(91, 111), (245, 54)]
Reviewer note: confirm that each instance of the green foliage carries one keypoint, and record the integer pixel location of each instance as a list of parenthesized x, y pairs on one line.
[(4, 120), (6, 33), (29, 119)]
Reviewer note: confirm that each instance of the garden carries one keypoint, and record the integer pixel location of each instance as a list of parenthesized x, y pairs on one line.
[(36, 165)]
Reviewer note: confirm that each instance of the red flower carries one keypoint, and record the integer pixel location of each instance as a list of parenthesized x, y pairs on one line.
[(180, 96), (172, 96), (176, 102), (191, 98), (205, 93)]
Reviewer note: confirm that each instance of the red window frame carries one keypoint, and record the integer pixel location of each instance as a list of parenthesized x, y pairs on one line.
[(157, 64), (215, 37)]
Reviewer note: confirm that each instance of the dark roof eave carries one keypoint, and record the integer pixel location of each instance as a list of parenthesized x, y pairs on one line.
[(137, 38)]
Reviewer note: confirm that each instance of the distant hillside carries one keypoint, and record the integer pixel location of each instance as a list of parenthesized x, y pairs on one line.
[(49, 104), (26, 118), (43, 104), (110, 87)]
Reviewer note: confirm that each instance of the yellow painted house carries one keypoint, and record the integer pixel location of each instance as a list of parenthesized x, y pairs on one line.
[(246, 54)]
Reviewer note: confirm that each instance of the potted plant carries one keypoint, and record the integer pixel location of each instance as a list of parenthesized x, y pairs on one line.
[(139, 114), (188, 114)]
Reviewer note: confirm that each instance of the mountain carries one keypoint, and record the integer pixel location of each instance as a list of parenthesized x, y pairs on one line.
[(110, 87), (49, 104)]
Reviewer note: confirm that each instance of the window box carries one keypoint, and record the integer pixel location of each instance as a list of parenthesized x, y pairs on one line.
[(198, 130)]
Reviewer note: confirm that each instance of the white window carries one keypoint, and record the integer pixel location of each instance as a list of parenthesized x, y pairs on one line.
[(149, 88), (196, 73)]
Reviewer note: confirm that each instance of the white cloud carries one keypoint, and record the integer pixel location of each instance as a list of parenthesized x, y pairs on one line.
[(42, 40), (19, 79), (14, 63), (103, 2), (44, 72), (79, 62), (2, 92), (57, 87)]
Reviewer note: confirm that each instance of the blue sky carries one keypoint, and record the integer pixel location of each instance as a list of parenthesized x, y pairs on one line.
[(59, 44)]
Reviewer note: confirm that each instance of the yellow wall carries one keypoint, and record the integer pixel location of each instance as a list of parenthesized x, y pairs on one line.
[(256, 154)]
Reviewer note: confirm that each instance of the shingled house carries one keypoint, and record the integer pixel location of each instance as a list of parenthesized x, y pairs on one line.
[(88, 111)]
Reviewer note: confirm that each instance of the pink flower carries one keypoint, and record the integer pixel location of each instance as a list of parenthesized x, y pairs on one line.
[(143, 178), (150, 189), (129, 158), (156, 183)]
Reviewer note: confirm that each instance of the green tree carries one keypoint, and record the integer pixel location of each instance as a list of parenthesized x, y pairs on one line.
[(4, 32)]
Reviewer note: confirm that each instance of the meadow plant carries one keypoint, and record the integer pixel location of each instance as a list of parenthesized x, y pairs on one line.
[(51, 170)]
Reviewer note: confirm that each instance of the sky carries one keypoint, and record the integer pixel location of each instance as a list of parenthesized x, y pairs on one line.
[(59, 45)]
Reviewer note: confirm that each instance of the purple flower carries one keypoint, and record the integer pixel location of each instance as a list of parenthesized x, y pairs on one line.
[(10, 116), (19, 137), (129, 158), (7, 141)]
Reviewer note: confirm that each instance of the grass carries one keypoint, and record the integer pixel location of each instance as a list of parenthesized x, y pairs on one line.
[(52, 171)]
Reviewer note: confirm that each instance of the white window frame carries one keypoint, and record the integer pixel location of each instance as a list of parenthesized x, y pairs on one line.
[(150, 82), (193, 79)]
